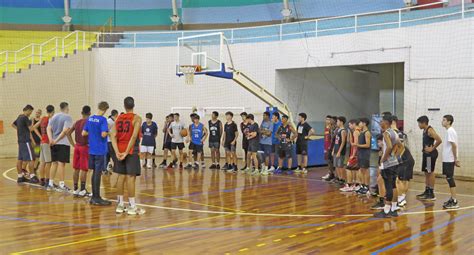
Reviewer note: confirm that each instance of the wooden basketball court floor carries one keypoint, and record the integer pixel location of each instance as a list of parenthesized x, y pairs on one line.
[(211, 212)]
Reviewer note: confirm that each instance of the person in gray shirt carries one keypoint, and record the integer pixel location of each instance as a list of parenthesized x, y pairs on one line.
[(60, 139)]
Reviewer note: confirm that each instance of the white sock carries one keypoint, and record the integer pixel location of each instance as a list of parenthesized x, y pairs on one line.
[(51, 182), (401, 198), (32, 175), (394, 206), (61, 184), (120, 200), (20, 175), (132, 201), (386, 208), (141, 162)]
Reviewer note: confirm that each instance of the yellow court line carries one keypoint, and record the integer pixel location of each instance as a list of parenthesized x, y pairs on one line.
[(276, 214), (191, 202), (115, 235)]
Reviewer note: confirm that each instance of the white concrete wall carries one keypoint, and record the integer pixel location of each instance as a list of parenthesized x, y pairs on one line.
[(431, 55), (63, 80), (328, 90)]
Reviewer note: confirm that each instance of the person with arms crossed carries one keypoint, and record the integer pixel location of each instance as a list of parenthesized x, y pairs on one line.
[(229, 141), (125, 140), (305, 131), (215, 135)]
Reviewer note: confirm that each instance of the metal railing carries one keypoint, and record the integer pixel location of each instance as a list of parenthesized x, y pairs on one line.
[(35, 53), (397, 18)]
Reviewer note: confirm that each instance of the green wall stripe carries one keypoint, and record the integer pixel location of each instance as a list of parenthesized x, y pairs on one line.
[(85, 17)]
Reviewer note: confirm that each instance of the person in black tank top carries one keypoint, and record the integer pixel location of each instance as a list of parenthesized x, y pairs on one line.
[(431, 141), (215, 135), (339, 150), (245, 143), (363, 156)]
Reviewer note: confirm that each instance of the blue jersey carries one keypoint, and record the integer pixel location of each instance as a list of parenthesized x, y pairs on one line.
[(95, 125), (149, 133), (197, 133), (276, 126)]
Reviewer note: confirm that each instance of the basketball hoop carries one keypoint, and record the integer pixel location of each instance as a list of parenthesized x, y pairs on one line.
[(189, 71)]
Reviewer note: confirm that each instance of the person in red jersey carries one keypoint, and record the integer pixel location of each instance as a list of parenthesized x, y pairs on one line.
[(125, 141)]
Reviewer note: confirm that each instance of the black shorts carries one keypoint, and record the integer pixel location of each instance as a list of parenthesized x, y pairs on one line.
[(302, 148), (405, 169), (429, 162), (448, 169), (179, 146), (285, 150), (196, 148), (60, 153), (363, 160), (274, 148), (129, 166), (25, 152), (167, 145), (245, 144), (230, 147), (253, 146), (390, 174)]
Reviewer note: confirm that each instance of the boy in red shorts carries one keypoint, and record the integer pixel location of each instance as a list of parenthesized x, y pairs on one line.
[(80, 162)]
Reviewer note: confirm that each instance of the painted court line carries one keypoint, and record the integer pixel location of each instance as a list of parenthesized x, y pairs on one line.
[(271, 214), (112, 236), (422, 233)]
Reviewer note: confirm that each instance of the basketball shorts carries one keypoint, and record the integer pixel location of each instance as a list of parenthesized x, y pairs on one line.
[(179, 146), (61, 153), (214, 145), (285, 150), (147, 149), (45, 154), (128, 166), (25, 152), (429, 162), (230, 147), (302, 148), (80, 159)]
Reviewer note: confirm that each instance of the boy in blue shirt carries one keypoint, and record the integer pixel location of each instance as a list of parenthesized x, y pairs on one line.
[(97, 129)]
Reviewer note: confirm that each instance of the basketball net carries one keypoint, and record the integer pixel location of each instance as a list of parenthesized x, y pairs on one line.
[(188, 72)]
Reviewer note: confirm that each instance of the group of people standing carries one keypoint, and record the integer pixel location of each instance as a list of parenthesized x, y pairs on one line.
[(395, 161)]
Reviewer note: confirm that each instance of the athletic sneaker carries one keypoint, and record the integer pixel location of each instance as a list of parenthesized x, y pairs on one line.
[(196, 166), (264, 172), (382, 214), (346, 188), (63, 189), (85, 193), (225, 167), (243, 168), (298, 170), (163, 164), (304, 171), (135, 211), (231, 170), (394, 213), (99, 201), (378, 206), (34, 180), (76, 192), (271, 169), (218, 166), (278, 171), (422, 194), (120, 209), (328, 177), (451, 204), (429, 196), (256, 172), (22, 179), (397, 208), (213, 166), (402, 203), (187, 167)]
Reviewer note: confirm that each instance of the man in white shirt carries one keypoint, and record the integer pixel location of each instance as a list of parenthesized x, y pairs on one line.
[(177, 141), (450, 159)]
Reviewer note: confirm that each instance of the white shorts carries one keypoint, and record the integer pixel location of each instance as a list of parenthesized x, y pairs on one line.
[(147, 149)]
